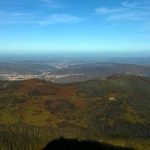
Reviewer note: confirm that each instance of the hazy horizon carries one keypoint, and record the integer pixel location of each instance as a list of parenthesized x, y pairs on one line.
[(80, 54)]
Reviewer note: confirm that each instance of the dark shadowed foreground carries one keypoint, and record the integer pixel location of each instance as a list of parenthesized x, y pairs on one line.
[(74, 144)]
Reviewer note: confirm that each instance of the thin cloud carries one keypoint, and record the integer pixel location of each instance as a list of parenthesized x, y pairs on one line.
[(18, 18), (33, 12), (127, 16), (60, 19), (126, 12), (134, 5), (35, 18), (25, 5), (129, 5), (105, 10)]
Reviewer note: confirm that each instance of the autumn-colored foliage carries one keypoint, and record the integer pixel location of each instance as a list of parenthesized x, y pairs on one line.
[(115, 108)]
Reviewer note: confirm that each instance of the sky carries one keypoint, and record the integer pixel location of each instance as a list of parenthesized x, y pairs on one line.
[(48, 26)]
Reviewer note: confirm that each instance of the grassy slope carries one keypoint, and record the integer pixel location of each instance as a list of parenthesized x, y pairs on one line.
[(115, 110)]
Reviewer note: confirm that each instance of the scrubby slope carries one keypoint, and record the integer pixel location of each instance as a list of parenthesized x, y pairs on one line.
[(117, 107)]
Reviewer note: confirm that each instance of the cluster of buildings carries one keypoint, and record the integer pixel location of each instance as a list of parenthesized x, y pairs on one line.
[(16, 76)]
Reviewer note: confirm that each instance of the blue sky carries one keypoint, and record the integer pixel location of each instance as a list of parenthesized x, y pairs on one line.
[(45, 26)]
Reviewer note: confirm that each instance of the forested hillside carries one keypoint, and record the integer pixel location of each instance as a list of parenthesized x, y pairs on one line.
[(115, 110)]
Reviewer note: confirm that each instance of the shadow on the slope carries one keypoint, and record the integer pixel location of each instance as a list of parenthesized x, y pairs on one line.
[(74, 144)]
